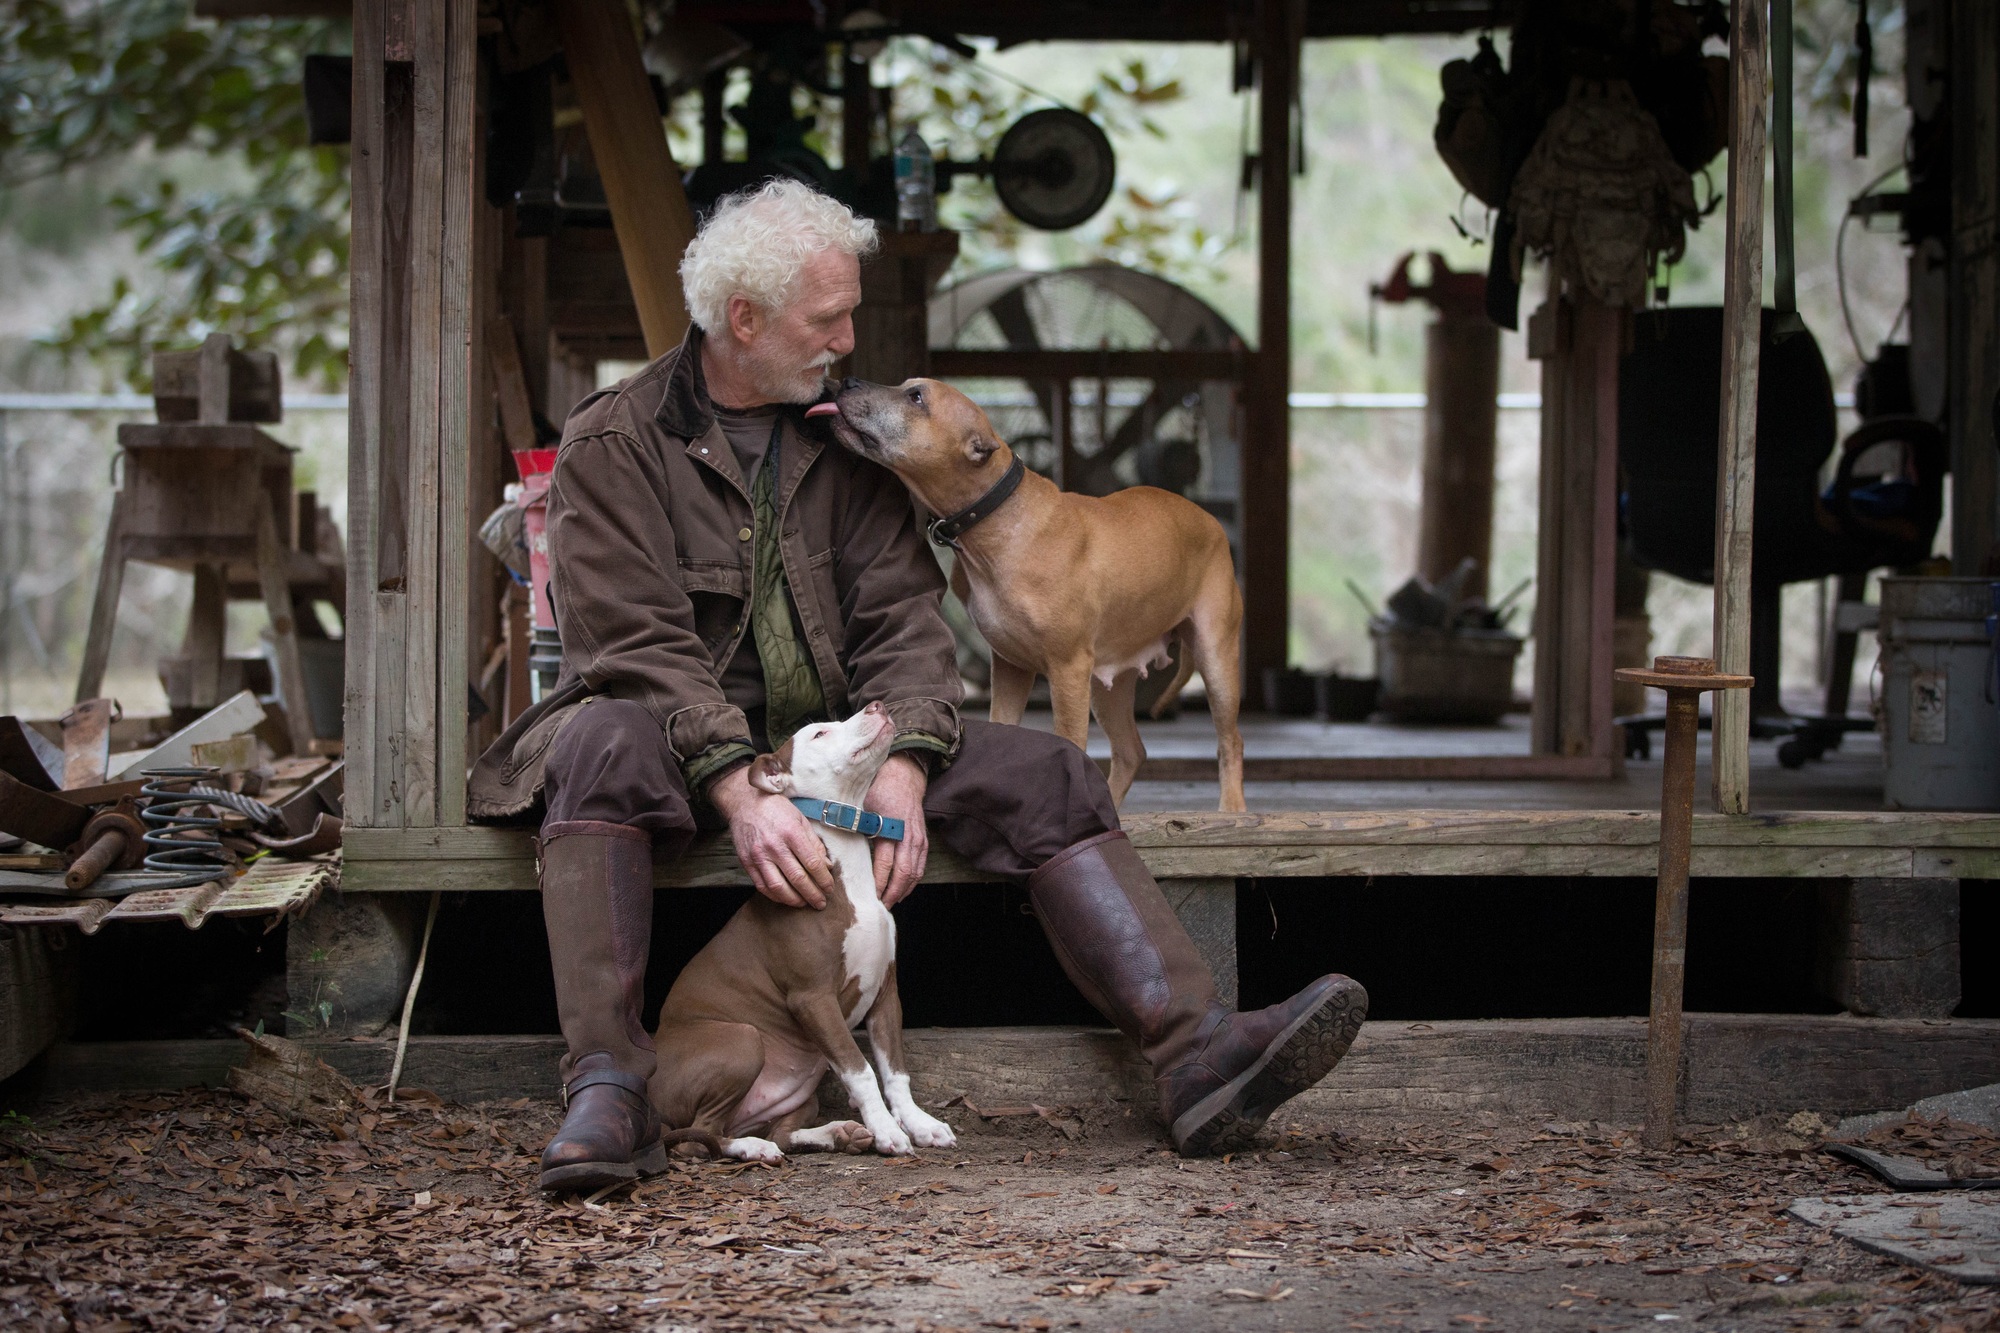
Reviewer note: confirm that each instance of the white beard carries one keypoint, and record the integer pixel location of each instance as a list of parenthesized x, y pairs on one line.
[(781, 382)]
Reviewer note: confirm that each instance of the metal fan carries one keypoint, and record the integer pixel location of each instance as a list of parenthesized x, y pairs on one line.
[(1053, 169)]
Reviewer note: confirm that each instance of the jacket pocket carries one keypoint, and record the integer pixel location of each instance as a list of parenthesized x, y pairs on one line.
[(819, 574), (718, 591)]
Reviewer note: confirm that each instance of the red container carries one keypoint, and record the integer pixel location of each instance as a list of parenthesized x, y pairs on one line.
[(536, 466)]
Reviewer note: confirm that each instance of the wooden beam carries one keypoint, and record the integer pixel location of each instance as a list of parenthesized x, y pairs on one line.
[(1973, 396), (1577, 340), (1388, 768), (1532, 843), (430, 170), (366, 312), (1266, 461), (1739, 1066), (40, 968), (648, 207), (1736, 458), (458, 351)]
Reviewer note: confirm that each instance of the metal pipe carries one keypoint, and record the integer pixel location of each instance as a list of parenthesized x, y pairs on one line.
[(107, 851), (1670, 916)]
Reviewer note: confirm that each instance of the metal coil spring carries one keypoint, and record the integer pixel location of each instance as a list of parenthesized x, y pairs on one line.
[(180, 842), (248, 806)]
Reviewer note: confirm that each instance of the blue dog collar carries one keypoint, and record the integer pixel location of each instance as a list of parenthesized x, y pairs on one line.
[(850, 818)]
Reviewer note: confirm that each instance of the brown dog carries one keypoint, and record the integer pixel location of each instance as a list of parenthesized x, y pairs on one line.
[(759, 1014), (1089, 592)]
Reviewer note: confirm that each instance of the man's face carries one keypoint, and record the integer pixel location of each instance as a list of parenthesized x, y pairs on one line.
[(788, 352)]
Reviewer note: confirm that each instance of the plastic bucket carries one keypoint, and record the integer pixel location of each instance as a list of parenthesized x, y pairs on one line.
[(1940, 719)]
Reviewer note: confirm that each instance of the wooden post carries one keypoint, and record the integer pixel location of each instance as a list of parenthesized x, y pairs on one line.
[(1974, 303), (1736, 459), (1578, 341), (1461, 386), (1267, 447), (410, 411), (892, 325), (458, 351), (649, 210), (364, 412)]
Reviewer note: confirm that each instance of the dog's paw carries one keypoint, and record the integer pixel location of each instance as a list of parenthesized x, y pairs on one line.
[(926, 1130), (890, 1140), (849, 1136), (752, 1150)]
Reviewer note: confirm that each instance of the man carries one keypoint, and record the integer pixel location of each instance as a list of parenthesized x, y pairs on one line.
[(723, 572)]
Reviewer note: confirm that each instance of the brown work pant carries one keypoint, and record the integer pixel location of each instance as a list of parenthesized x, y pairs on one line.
[(1011, 800)]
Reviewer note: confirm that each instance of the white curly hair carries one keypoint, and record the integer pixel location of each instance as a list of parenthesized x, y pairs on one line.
[(756, 242)]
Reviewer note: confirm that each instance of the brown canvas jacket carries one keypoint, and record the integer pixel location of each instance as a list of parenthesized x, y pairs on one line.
[(650, 555)]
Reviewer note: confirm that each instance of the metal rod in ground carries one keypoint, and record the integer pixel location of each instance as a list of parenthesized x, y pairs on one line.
[(1670, 915), (1684, 679)]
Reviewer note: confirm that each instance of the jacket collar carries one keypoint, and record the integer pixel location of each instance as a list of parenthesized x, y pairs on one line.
[(684, 407)]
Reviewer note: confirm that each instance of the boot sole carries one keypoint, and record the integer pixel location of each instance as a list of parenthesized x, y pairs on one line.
[(1227, 1120), (589, 1177)]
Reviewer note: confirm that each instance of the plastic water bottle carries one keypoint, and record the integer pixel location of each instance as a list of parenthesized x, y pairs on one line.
[(916, 184)]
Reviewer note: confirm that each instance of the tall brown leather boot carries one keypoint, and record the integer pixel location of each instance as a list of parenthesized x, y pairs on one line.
[(1219, 1073), (597, 898)]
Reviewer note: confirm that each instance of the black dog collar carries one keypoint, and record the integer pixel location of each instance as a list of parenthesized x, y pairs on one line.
[(946, 531)]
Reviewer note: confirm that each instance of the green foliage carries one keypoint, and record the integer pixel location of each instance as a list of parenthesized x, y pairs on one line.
[(264, 256)]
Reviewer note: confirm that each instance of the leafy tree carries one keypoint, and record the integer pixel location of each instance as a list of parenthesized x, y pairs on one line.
[(265, 260)]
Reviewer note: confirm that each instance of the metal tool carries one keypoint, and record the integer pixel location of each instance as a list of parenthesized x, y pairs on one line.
[(113, 840), (1684, 679)]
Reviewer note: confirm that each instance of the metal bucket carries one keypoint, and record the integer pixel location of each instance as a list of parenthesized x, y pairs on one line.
[(1940, 719)]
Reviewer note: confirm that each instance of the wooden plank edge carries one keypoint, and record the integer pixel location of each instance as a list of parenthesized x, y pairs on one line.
[(1740, 1065), (1386, 768)]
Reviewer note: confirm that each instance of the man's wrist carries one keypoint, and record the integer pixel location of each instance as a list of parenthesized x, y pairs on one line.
[(731, 791)]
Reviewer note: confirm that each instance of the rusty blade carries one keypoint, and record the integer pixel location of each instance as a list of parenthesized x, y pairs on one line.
[(86, 733), (324, 837), (28, 756), (39, 816)]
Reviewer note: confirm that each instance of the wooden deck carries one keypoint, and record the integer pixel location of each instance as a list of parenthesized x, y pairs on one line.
[(1180, 770), (1304, 844), (1822, 821)]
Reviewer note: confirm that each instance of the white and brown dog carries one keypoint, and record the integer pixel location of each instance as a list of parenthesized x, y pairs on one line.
[(1091, 592), (758, 1016)]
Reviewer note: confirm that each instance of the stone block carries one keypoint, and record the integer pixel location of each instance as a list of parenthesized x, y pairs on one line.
[(348, 964)]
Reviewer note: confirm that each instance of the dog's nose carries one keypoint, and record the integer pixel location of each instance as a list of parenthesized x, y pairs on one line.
[(875, 709), (851, 383)]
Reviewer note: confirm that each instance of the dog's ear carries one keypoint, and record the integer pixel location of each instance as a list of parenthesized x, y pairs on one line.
[(768, 775), (979, 446)]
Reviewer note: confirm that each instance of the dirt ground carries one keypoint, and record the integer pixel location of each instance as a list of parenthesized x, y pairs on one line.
[(204, 1211)]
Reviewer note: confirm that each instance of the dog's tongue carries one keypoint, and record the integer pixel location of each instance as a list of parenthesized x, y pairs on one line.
[(823, 410)]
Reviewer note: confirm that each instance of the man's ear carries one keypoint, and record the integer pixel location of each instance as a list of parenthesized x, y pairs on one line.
[(745, 319), (766, 775), (979, 446)]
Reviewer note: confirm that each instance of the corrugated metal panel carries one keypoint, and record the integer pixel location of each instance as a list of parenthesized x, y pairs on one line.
[(271, 887)]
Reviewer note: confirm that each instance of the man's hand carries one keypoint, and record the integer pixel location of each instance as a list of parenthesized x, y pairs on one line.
[(786, 860), (898, 792)]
